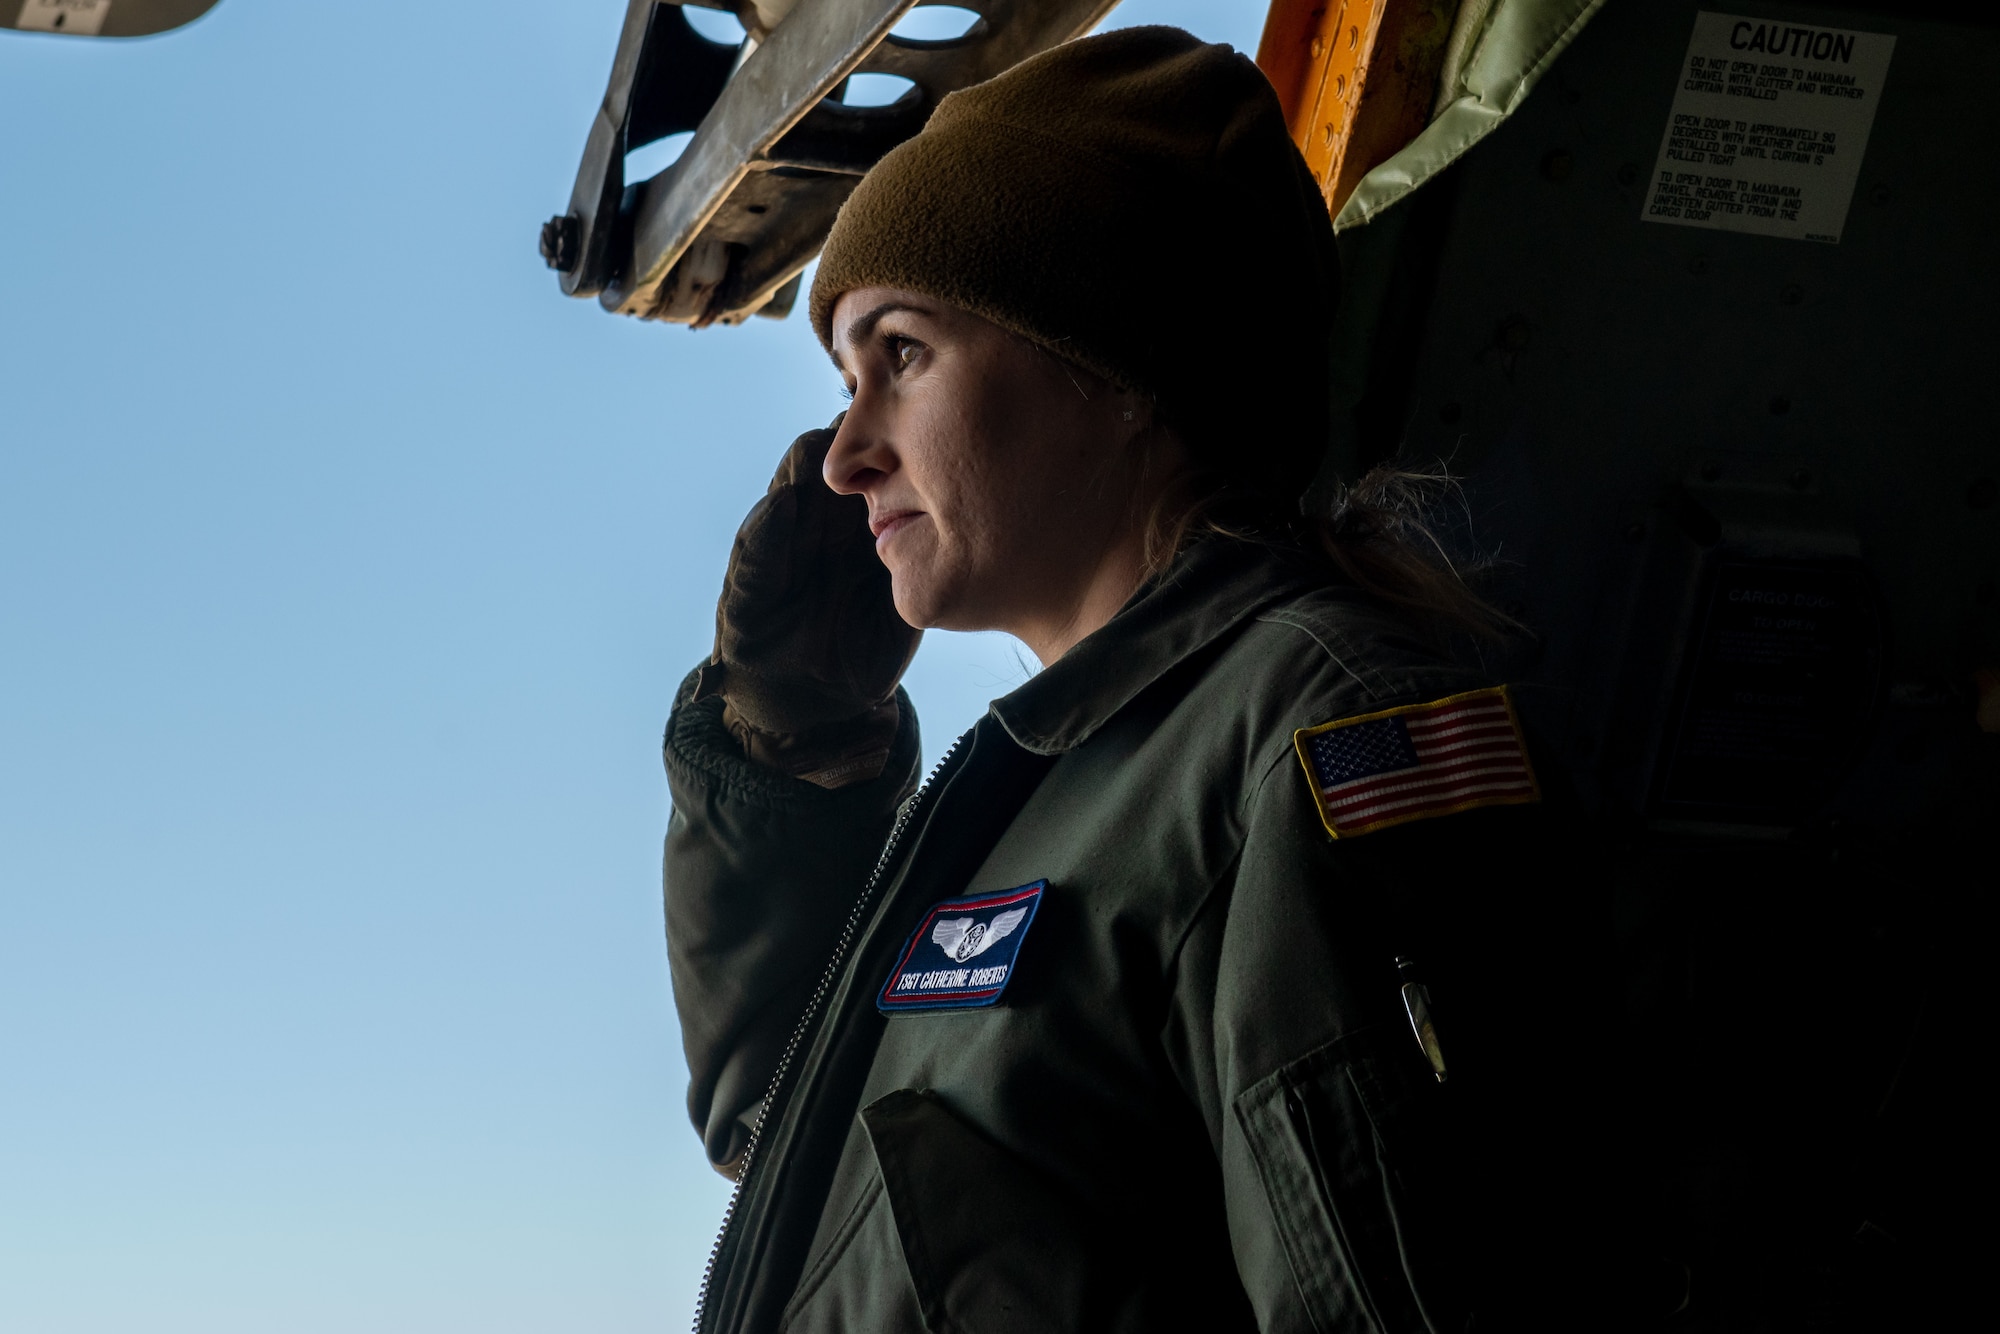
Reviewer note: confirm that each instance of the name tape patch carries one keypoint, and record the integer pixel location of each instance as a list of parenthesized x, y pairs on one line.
[(1417, 761), (962, 953)]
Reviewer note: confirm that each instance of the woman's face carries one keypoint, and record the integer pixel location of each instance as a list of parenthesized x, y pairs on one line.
[(1005, 490)]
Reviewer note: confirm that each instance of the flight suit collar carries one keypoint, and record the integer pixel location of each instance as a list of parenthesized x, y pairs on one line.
[(1213, 587)]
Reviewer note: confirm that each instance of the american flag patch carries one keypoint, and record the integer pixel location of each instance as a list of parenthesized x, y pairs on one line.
[(1417, 761)]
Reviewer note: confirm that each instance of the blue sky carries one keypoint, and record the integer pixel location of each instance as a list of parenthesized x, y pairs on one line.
[(346, 572)]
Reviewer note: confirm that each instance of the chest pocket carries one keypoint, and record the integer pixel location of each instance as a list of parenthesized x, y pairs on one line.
[(1348, 1146), (961, 1235), (857, 1281)]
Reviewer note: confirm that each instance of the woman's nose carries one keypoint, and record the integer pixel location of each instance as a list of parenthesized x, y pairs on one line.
[(856, 457)]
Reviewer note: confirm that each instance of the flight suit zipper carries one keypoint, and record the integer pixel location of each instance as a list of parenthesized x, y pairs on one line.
[(828, 980)]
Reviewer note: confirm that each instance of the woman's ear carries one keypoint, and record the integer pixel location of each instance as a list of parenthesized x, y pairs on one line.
[(1128, 408), (1136, 417)]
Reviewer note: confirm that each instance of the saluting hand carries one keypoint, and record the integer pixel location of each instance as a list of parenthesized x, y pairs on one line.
[(808, 645)]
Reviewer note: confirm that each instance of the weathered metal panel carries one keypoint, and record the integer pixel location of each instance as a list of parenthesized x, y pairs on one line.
[(723, 233)]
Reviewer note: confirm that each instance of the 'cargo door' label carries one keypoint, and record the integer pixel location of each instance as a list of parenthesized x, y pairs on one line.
[(1769, 123)]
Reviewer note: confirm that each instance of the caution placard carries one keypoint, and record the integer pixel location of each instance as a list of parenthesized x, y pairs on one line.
[(1768, 127)]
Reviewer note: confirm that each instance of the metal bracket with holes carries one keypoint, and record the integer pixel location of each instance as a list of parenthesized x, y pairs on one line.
[(724, 232)]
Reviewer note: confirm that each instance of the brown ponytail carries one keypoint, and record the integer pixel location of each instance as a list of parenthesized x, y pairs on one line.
[(1380, 533)]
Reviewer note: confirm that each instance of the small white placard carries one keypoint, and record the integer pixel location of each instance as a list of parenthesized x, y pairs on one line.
[(82, 17), (1768, 127)]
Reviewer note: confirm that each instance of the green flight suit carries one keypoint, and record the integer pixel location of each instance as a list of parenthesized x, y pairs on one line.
[(1199, 1103)]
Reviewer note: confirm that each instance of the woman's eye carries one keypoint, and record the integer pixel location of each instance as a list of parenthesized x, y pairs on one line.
[(904, 352), (847, 391)]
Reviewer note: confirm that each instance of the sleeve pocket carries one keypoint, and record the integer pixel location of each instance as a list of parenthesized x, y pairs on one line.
[(1346, 1144)]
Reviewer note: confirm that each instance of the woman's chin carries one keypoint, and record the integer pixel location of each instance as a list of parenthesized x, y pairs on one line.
[(924, 599), (915, 580), (915, 605)]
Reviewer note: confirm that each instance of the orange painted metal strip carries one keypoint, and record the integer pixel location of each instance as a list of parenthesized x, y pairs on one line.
[(1356, 78)]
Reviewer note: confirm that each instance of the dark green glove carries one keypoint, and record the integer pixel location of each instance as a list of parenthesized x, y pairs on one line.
[(808, 645)]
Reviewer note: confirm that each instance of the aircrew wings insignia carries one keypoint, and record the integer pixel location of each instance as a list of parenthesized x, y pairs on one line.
[(961, 955), (963, 937), (1417, 761)]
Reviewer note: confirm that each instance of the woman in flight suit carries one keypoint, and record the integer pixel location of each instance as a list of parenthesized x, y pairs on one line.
[(1182, 994)]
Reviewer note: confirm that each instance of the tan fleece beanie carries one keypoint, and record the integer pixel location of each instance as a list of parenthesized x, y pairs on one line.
[(1133, 203)]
